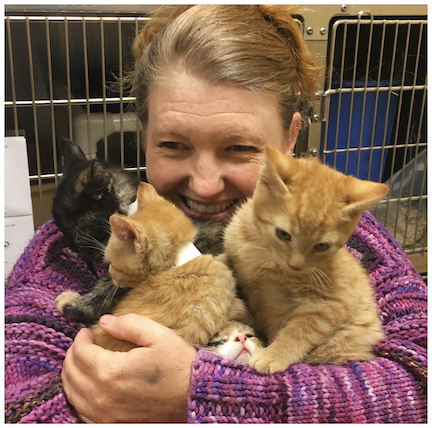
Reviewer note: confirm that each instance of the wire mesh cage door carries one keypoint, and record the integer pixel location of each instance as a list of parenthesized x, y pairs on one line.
[(374, 116), (60, 73), (62, 81)]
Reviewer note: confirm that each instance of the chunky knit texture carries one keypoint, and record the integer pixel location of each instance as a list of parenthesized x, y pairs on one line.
[(391, 388)]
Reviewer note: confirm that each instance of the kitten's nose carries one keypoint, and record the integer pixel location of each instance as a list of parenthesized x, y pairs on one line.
[(241, 338), (295, 268)]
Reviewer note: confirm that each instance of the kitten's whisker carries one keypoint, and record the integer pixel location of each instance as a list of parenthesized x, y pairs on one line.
[(316, 279), (324, 280), (324, 276), (94, 247), (97, 245), (86, 236), (105, 224), (110, 297)]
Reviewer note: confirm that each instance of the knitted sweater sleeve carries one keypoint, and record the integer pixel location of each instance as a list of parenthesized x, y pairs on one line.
[(389, 389), (37, 336)]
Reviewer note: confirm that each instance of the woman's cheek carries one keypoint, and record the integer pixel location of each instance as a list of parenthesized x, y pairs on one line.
[(246, 177), (164, 175)]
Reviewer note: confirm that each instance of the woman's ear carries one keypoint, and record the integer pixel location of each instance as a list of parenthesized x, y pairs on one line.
[(292, 134)]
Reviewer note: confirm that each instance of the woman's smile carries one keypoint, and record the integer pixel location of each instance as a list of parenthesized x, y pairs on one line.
[(216, 210), (205, 144)]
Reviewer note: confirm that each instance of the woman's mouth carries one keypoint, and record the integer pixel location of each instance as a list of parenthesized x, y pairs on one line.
[(208, 209), (221, 211)]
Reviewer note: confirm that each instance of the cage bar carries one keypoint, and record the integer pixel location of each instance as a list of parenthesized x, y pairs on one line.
[(383, 50)]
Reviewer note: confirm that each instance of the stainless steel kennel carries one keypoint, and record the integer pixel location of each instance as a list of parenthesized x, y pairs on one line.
[(368, 118)]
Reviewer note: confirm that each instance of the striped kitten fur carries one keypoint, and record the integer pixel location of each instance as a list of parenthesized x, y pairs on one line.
[(286, 246), (195, 299)]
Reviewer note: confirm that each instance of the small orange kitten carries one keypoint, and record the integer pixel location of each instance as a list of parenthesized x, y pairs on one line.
[(195, 299), (236, 341), (286, 246)]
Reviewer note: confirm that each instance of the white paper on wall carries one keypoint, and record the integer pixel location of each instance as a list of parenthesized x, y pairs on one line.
[(19, 226), (17, 183), (18, 232)]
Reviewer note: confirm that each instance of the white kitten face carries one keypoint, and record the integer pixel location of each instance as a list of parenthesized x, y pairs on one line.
[(237, 341)]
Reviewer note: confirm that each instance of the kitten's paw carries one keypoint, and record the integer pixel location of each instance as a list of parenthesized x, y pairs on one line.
[(67, 298), (265, 363)]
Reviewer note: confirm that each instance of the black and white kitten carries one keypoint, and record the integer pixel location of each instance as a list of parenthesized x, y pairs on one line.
[(88, 193)]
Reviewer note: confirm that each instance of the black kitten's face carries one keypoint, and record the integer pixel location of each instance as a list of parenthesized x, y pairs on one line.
[(89, 192)]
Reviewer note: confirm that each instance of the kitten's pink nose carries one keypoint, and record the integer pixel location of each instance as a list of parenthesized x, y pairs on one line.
[(295, 268), (241, 338)]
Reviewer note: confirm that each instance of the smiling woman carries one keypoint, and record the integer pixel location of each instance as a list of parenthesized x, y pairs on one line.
[(214, 85), (205, 143)]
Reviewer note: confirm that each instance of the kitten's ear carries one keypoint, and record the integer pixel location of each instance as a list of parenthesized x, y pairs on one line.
[(70, 153), (146, 192), (96, 176), (277, 170), (99, 174), (362, 194), (124, 228)]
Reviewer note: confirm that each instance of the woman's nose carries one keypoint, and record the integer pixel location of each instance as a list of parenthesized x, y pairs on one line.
[(206, 178)]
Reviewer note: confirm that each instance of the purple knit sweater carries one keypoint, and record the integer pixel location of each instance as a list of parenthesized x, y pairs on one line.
[(391, 388)]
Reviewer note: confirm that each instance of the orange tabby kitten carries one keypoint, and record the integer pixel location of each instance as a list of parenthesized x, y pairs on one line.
[(195, 299), (309, 296)]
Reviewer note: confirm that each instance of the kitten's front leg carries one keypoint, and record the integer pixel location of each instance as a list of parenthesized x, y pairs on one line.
[(269, 360), (90, 307), (309, 326), (278, 356)]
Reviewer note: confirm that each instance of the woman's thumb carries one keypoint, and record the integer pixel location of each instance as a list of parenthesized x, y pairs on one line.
[(131, 327)]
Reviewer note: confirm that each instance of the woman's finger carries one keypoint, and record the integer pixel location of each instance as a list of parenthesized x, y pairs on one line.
[(135, 329)]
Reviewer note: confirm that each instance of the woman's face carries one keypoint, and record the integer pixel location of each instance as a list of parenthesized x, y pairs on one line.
[(206, 143)]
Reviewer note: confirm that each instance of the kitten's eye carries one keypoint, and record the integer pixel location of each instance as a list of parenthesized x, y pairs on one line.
[(249, 335), (218, 343), (321, 247), (281, 234)]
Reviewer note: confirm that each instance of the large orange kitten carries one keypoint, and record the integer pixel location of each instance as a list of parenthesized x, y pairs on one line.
[(309, 296), (195, 299)]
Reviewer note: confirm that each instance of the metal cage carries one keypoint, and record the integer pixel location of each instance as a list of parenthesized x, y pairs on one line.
[(368, 118)]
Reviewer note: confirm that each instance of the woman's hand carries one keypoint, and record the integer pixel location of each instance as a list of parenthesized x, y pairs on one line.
[(146, 384)]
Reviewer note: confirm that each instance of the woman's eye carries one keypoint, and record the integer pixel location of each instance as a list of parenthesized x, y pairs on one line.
[(172, 145), (240, 148), (321, 247), (281, 234)]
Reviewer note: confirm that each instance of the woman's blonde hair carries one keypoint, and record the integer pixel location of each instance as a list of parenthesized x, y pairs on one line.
[(258, 48)]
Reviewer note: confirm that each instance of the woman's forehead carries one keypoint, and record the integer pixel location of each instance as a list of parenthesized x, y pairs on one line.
[(198, 96), (192, 105)]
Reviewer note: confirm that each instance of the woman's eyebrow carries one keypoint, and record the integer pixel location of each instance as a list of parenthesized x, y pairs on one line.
[(170, 133), (242, 136)]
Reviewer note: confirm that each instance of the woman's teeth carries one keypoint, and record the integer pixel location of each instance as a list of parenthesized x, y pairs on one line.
[(208, 209)]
